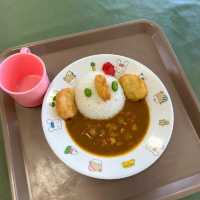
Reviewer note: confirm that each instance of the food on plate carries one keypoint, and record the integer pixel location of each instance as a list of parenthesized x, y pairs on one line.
[(113, 136), (114, 86), (134, 87), (108, 117), (65, 103), (108, 68), (89, 102), (102, 87), (88, 92)]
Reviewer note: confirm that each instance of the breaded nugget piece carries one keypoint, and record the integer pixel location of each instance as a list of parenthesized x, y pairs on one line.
[(134, 87), (65, 103), (102, 87)]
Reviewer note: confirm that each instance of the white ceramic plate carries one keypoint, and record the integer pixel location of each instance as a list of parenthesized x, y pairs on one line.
[(140, 158)]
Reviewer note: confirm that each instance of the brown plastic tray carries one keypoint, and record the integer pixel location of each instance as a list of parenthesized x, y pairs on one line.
[(37, 174)]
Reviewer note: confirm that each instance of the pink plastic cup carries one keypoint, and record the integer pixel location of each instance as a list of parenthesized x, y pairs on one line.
[(23, 76)]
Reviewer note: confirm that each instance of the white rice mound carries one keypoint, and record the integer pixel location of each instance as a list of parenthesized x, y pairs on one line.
[(94, 107)]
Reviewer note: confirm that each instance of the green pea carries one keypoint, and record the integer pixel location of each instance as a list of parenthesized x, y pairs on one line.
[(53, 104), (54, 98), (88, 92), (114, 86)]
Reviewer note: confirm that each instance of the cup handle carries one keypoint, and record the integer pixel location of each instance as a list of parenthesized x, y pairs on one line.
[(25, 50)]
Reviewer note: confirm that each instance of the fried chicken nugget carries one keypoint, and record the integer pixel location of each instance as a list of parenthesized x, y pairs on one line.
[(134, 87), (102, 87), (65, 103)]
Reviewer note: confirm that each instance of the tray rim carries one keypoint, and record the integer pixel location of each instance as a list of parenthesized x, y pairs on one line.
[(18, 192), (186, 189)]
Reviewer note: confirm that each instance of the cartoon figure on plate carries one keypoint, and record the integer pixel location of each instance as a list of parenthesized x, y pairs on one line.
[(95, 165), (163, 122), (155, 145), (128, 163), (93, 66), (69, 77), (121, 67), (52, 98), (70, 150), (53, 101), (141, 76), (54, 124), (160, 97)]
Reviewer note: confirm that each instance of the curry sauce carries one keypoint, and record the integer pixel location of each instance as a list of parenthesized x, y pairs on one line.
[(114, 136)]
